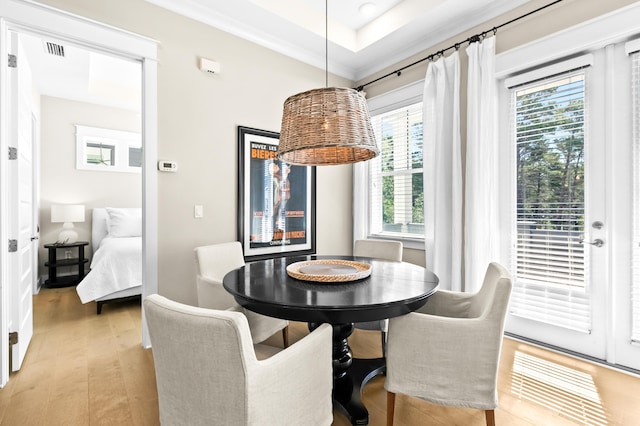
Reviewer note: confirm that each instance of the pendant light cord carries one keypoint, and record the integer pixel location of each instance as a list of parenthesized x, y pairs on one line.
[(326, 43)]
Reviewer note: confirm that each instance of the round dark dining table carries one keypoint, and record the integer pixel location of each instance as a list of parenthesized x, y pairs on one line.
[(392, 289)]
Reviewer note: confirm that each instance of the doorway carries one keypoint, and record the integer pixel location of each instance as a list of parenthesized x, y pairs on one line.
[(85, 97), (570, 170), (20, 17), (559, 292), (77, 90)]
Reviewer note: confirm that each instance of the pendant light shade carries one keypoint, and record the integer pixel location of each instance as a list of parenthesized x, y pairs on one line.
[(326, 126)]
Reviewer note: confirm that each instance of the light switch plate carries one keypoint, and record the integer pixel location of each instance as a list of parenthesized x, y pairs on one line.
[(198, 211)]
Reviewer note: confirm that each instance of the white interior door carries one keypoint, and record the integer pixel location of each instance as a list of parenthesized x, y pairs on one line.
[(22, 223), (35, 199)]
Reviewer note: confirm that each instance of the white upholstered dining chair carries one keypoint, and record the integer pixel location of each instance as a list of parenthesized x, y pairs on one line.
[(213, 262), (378, 249), (208, 372), (448, 351)]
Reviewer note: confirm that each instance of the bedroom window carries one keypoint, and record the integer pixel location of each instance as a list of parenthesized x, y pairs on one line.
[(108, 150), (101, 154)]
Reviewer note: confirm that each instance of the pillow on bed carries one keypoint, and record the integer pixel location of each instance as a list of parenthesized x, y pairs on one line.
[(124, 222)]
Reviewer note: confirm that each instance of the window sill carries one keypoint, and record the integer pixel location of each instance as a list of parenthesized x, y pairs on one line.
[(415, 243)]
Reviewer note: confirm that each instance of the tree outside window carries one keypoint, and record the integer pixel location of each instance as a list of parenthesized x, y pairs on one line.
[(396, 176)]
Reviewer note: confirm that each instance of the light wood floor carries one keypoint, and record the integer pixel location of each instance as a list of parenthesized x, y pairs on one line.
[(85, 369)]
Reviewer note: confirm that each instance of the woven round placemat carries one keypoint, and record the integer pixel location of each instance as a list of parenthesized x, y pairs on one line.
[(329, 270)]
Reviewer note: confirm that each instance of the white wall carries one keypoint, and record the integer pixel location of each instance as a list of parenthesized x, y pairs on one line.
[(62, 183), (198, 115)]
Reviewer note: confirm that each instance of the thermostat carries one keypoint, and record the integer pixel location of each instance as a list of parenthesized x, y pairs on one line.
[(167, 166)]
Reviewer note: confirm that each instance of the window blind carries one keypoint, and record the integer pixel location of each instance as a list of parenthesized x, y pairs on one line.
[(395, 176), (551, 265), (635, 290)]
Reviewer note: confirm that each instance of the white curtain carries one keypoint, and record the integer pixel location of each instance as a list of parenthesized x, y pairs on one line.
[(481, 222), (443, 171)]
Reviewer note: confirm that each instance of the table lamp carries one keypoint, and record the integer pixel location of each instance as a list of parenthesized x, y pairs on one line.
[(67, 214)]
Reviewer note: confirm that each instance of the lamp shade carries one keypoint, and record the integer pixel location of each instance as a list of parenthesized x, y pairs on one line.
[(67, 213), (326, 126)]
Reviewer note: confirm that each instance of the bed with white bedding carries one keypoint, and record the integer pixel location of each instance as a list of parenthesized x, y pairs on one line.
[(116, 266)]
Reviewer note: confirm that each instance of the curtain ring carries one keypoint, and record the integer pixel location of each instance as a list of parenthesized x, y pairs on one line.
[(457, 46), (495, 31)]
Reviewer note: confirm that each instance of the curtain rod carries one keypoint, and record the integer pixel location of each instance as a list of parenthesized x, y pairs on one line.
[(472, 39)]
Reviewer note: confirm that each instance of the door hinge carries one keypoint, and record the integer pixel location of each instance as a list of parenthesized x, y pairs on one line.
[(13, 246), (13, 61), (13, 337), (13, 153)]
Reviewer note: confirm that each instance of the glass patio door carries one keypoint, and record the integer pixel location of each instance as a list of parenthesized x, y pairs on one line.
[(558, 248), (570, 188)]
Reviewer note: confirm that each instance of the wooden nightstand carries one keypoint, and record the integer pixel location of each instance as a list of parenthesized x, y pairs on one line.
[(54, 263)]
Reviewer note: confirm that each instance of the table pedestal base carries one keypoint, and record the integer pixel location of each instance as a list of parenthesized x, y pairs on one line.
[(350, 375)]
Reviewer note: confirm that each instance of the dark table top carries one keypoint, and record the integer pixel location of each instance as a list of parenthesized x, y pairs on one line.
[(392, 289)]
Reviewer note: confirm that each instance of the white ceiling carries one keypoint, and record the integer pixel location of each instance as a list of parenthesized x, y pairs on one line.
[(79, 74), (359, 45)]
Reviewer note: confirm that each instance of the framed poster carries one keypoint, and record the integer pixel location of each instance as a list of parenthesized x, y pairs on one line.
[(276, 200)]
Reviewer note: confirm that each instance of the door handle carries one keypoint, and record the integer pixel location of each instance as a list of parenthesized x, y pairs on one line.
[(35, 237), (597, 242)]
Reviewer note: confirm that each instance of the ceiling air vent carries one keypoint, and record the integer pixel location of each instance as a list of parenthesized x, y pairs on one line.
[(55, 49)]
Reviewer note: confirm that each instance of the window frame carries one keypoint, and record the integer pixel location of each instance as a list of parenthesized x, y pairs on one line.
[(118, 140), (395, 99), (632, 50)]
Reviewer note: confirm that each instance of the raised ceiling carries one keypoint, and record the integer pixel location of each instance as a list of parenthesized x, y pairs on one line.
[(360, 44)]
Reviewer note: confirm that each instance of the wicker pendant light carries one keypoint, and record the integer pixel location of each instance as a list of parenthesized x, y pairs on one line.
[(329, 126)]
